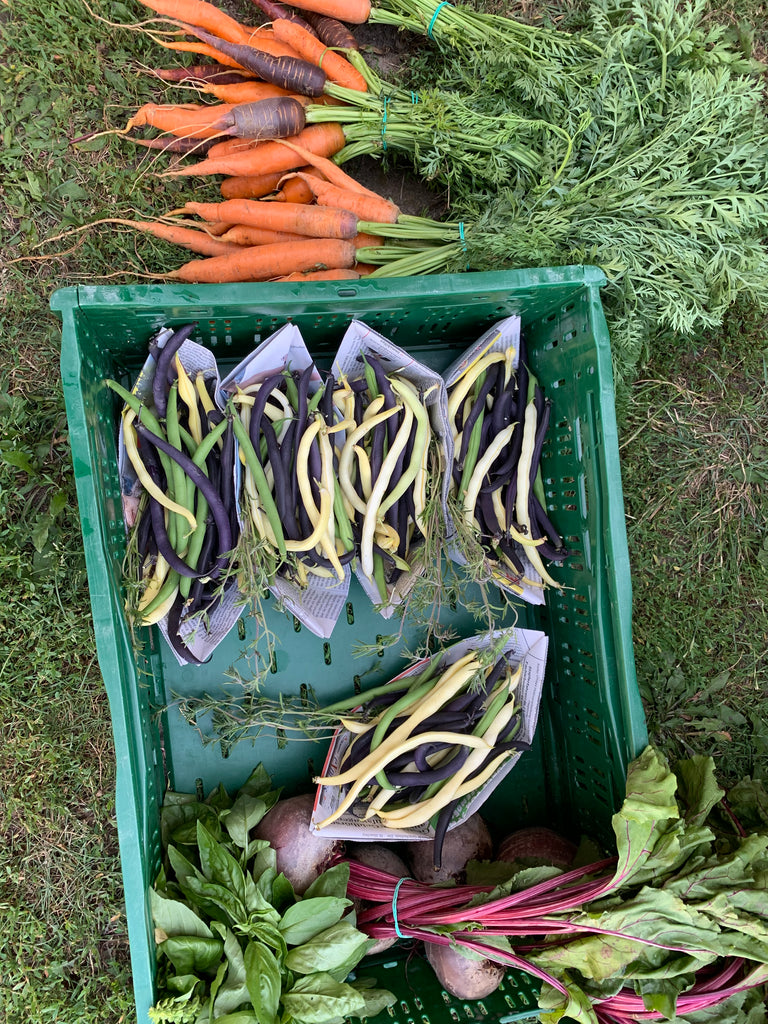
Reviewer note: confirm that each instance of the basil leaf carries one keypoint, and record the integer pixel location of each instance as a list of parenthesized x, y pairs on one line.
[(305, 919), (240, 1017), (219, 798), (175, 918), (318, 997), (245, 814), (179, 823), (376, 999), (192, 954), (233, 992), (217, 981), (209, 897), (332, 882), (283, 895), (219, 865), (264, 985), (264, 884), (265, 859), (182, 867), (328, 950), (258, 782), (267, 933)]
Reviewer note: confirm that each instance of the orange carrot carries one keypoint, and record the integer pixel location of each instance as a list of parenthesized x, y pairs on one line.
[(322, 275), (329, 169), (294, 190), (186, 120), (355, 12), (202, 14), (263, 262), (373, 208), (246, 92), (310, 48), (364, 269), (256, 185), (362, 240), (264, 157), (251, 187), (189, 238), (314, 221), (242, 234), (204, 50)]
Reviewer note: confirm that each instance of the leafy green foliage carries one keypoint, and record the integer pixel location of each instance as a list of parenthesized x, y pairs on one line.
[(235, 942)]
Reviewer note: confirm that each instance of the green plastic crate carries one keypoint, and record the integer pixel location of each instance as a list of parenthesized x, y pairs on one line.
[(591, 723)]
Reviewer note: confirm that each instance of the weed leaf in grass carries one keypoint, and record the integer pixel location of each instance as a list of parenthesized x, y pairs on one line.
[(305, 919), (263, 981), (318, 998)]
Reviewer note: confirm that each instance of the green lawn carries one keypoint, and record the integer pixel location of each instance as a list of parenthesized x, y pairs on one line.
[(695, 470)]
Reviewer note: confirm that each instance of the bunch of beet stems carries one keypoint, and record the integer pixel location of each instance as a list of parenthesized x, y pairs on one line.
[(290, 494), (712, 987), (499, 420), (432, 740), (384, 469), (182, 450), (455, 916)]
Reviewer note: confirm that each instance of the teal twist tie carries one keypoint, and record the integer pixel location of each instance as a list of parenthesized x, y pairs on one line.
[(434, 16), (414, 99), (399, 934), (463, 239), (384, 125)]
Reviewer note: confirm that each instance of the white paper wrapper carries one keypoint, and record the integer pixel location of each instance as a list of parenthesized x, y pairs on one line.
[(358, 340), (527, 647), (503, 335), (318, 605), (202, 635)]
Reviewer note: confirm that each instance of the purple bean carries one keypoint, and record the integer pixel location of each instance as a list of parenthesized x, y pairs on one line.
[(174, 637), (164, 361), (282, 486), (257, 411), (444, 771), (157, 516), (478, 406), (201, 481), (441, 827)]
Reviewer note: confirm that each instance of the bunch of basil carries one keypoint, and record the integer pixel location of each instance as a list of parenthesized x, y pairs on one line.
[(236, 945)]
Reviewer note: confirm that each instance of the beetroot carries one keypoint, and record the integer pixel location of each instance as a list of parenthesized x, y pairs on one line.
[(539, 844), (468, 841), (462, 977), (301, 855)]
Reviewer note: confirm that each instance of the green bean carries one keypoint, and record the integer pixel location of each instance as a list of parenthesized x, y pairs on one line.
[(146, 416), (291, 390), (178, 481), (267, 501), (198, 535), (421, 439)]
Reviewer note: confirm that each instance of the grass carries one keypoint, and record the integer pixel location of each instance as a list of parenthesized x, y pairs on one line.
[(695, 470), (695, 467)]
